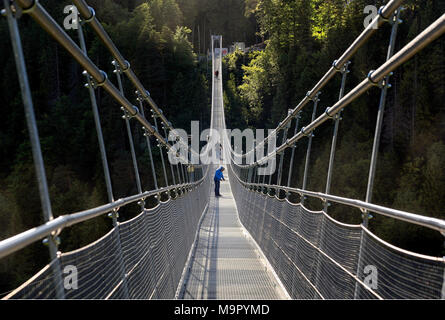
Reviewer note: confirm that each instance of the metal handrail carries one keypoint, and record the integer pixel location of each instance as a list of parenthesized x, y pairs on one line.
[(384, 14), (431, 223), (44, 19)]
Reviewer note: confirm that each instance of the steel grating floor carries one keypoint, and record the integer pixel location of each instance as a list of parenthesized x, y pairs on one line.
[(226, 263)]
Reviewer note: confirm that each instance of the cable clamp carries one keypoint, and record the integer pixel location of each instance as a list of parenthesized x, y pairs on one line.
[(56, 240), (147, 132), (334, 65), (31, 8), (380, 12), (16, 10), (335, 117), (127, 66), (91, 18), (298, 116), (394, 18), (315, 98), (154, 114), (384, 83), (128, 115), (327, 114), (345, 68)]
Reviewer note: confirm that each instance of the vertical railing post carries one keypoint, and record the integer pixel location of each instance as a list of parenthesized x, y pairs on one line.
[(254, 177), (39, 164), (184, 173), (103, 153), (264, 175), (344, 71), (309, 145), (147, 139), (291, 163), (114, 215), (395, 21), (280, 167), (171, 165), (127, 116)]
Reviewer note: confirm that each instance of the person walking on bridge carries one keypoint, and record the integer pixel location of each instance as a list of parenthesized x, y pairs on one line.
[(217, 178)]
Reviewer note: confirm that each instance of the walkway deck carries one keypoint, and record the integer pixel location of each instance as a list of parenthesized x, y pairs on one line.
[(227, 263)]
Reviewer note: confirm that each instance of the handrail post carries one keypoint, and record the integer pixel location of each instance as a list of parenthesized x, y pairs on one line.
[(280, 167), (53, 240), (184, 173), (147, 139), (264, 175), (254, 177), (103, 153), (309, 145), (127, 117), (291, 164), (179, 174), (248, 175), (395, 21), (344, 71)]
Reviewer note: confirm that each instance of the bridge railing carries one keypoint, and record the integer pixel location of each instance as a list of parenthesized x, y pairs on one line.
[(309, 249), (186, 187), (318, 257)]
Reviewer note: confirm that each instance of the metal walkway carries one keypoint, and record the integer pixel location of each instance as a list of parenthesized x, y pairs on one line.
[(227, 264)]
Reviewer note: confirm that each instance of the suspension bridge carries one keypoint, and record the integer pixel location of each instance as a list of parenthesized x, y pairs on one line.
[(252, 243)]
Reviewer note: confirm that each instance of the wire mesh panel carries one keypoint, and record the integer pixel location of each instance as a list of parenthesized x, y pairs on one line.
[(137, 253), (399, 274), (338, 243), (317, 257)]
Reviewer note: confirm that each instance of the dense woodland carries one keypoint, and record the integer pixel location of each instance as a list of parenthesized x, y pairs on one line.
[(163, 40)]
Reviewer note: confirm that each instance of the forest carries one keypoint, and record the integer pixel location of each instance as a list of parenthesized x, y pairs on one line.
[(166, 42)]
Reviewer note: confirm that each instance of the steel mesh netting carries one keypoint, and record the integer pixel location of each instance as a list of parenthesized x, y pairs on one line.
[(142, 258), (401, 274), (317, 257)]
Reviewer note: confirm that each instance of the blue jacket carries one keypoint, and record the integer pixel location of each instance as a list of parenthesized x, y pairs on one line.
[(218, 175)]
